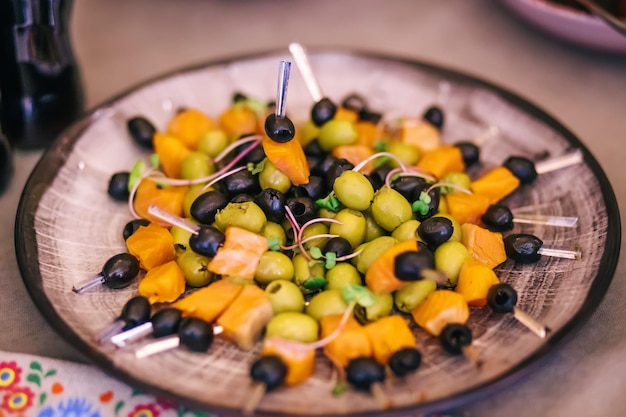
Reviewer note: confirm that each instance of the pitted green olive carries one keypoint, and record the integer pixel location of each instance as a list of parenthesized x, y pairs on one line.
[(370, 251), (390, 209), (352, 227), (341, 275), (382, 307), (412, 294), (326, 303), (284, 296), (246, 215), (273, 266), (297, 327)]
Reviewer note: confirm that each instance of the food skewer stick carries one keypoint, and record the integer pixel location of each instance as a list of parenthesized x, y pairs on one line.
[(324, 109), (135, 312), (366, 374), (502, 298), (162, 323), (456, 339), (527, 248), (527, 171), (118, 272)]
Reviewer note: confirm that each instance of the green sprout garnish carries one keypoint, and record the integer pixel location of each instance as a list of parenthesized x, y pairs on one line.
[(339, 388), (273, 243), (380, 146), (135, 173), (331, 260), (421, 205), (358, 294), (315, 283), (330, 202), (255, 169)]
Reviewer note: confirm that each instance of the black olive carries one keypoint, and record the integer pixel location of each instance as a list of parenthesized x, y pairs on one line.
[(323, 111), (272, 202), (315, 188), (136, 311), (338, 167), (433, 205), (405, 361), (498, 218), (195, 334), (354, 102), (256, 155), (313, 148), (205, 206), (303, 209), (523, 248), (469, 152), (241, 182), (407, 186), (434, 116), (132, 226), (454, 337), (378, 175), (142, 131), (370, 116), (502, 298), (435, 231), (118, 186), (522, 168), (363, 372), (239, 97), (339, 246), (269, 370), (279, 129), (120, 270), (166, 322), (323, 166), (242, 198), (408, 266), (207, 241)]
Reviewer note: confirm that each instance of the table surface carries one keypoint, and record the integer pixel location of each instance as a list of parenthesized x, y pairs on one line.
[(119, 44)]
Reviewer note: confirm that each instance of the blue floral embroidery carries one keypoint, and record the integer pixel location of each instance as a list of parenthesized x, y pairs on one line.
[(75, 407)]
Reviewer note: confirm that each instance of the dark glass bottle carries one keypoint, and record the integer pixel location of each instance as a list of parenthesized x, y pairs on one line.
[(39, 80)]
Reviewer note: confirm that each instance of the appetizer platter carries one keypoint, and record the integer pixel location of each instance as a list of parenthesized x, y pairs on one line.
[(354, 234)]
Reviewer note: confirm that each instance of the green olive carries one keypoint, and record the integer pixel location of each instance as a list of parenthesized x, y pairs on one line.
[(303, 272), (297, 327), (457, 234), (449, 258), (457, 178), (273, 230), (341, 275), (312, 230), (383, 304), (273, 266), (213, 142), (308, 131), (196, 165), (190, 196), (272, 177), (406, 231), (337, 133), (372, 250), (412, 294), (372, 229), (408, 154), (195, 268), (354, 190), (246, 215), (284, 296), (327, 214), (181, 236), (352, 227), (390, 209), (326, 303)]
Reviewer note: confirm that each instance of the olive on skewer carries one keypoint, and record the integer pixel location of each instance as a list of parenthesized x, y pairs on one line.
[(527, 248), (268, 373), (502, 298), (135, 312), (162, 323), (193, 333), (324, 109), (366, 374), (499, 218), (278, 126), (527, 171), (456, 339), (118, 272)]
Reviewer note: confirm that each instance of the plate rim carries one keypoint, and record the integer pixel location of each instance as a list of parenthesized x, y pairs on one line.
[(55, 156)]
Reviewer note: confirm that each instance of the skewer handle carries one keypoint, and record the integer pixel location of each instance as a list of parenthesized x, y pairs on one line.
[(532, 324), (552, 164), (106, 334), (161, 345), (560, 253), (258, 391), (173, 220), (472, 355), (87, 284), (559, 221), (131, 335), (380, 396), (284, 69), (299, 55)]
